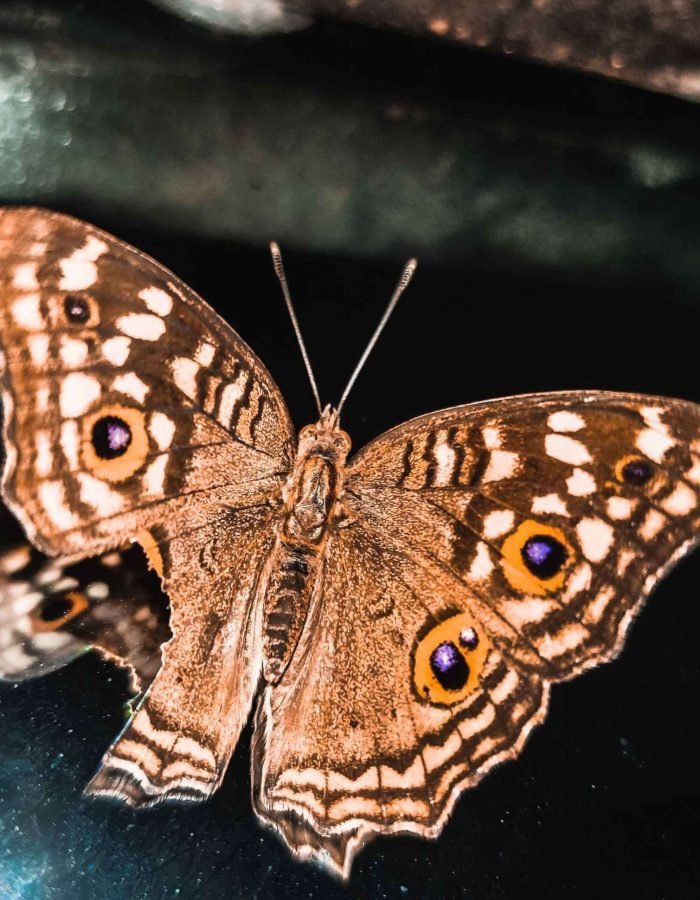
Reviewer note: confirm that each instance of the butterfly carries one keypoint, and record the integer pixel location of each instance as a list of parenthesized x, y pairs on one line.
[(392, 620)]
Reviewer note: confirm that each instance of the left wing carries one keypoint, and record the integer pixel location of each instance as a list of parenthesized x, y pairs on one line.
[(54, 610)]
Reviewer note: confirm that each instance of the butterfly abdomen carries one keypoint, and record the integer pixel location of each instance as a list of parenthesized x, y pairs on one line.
[(310, 503)]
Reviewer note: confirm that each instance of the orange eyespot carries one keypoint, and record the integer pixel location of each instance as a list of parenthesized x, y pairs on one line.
[(637, 471), (536, 558), (449, 659), (58, 609), (115, 442)]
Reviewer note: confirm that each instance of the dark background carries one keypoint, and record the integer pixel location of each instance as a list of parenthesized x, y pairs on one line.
[(555, 217)]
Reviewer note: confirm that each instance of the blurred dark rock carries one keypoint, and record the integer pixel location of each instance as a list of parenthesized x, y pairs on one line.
[(351, 143), (652, 43)]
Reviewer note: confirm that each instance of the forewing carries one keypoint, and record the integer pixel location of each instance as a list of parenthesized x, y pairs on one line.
[(558, 512), (126, 399)]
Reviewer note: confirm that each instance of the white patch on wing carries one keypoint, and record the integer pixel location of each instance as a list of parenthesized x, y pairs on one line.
[(78, 393), (79, 270), (594, 611), (116, 350), (525, 610), (154, 476), (157, 300), (73, 352), (43, 395), (596, 538), (142, 326), (581, 483), (302, 778), (98, 495), (566, 449), (24, 277), (550, 503), (563, 420), (185, 372), (570, 636), (502, 464), (653, 522), (579, 580), (367, 781), (482, 564), (652, 416), (204, 354), (435, 756), (654, 444), (620, 507), (681, 501), (44, 453), (70, 442), (498, 522), (15, 559), (625, 558), (162, 429), (53, 498), (39, 348), (412, 777), (230, 395), (469, 727), (130, 384), (446, 459), (492, 437), (505, 688), (27, 313)]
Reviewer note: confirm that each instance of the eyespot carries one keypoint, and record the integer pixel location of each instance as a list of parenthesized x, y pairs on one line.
[(536, 558), (449, 666), (58, 609), (544, 555), (115, 442), (634, 470), (111, 437), (77, 309), (448, 660)]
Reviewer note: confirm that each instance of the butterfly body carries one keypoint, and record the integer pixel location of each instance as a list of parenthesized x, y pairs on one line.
[(393, 621), (311, 505)]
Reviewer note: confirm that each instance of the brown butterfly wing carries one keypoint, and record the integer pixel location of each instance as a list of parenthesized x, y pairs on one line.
[(132, 411), (105, 348), (486, 551)]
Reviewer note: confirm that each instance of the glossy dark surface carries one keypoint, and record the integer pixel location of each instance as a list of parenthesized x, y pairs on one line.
[(520, 190)]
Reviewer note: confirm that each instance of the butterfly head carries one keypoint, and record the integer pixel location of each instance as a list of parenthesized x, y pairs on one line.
[(325, 438)]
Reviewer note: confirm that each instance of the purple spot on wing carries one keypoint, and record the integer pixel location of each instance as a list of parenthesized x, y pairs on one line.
[(544, 555), (449, 666)]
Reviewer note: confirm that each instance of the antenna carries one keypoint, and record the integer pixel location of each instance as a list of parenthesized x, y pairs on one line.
[(279, 271), (406, 276)]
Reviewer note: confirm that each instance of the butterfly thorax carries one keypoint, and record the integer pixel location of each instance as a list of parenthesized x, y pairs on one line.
[(311, 503)]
